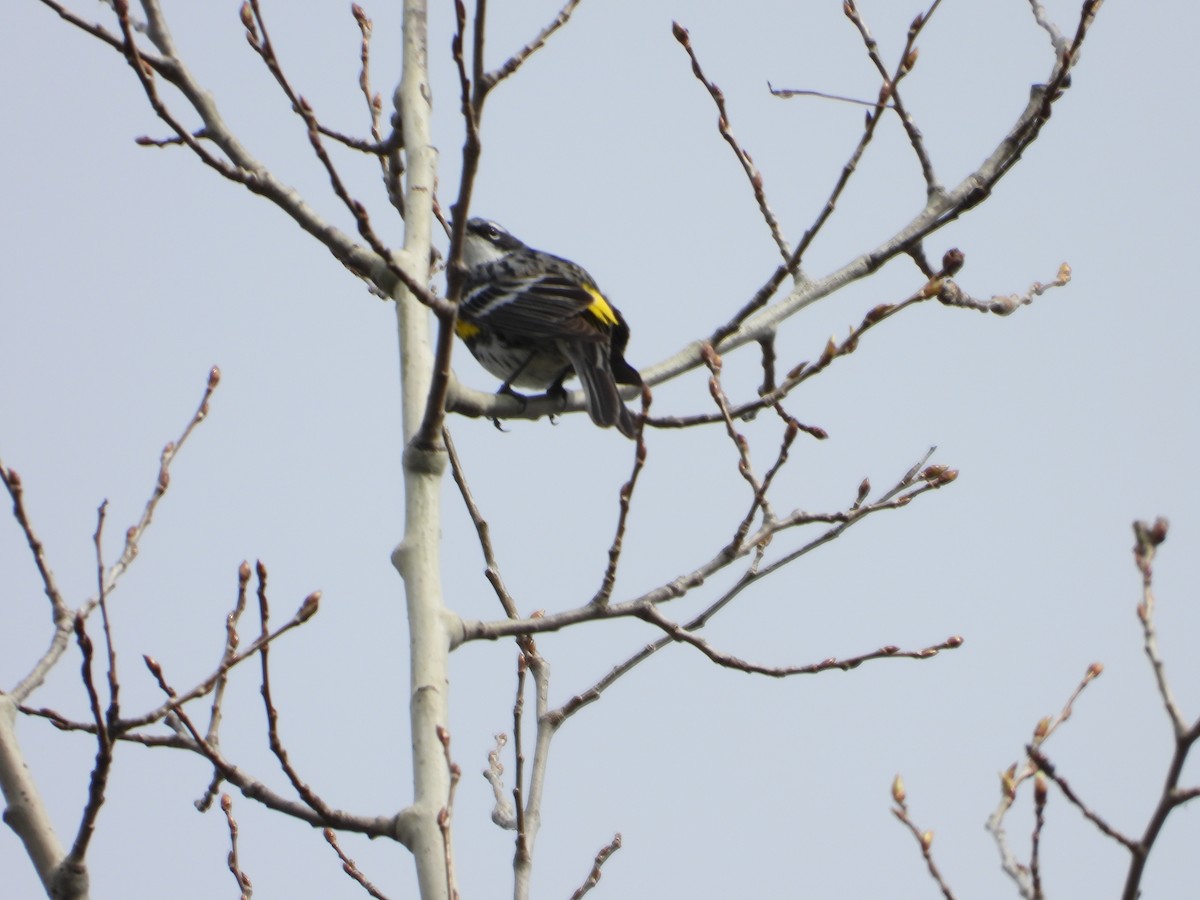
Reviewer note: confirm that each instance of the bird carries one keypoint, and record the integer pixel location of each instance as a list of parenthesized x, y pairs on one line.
[(534, 319)]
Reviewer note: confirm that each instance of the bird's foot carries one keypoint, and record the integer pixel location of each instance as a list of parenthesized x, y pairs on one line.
[(506, 390)]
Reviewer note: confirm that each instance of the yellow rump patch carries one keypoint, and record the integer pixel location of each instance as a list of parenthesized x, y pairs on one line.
[(465, 330), (599, 307)]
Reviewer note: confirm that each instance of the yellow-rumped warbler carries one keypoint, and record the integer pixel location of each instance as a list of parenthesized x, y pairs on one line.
[(534, 319)]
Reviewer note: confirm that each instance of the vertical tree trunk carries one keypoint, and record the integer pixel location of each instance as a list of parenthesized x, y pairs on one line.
[(416, 558)]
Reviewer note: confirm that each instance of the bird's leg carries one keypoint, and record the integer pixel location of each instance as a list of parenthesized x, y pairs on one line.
[(506, 389), (557, 390)]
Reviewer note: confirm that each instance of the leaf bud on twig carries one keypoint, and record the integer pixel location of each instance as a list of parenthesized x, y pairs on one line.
[(309, 607), (952, 261)]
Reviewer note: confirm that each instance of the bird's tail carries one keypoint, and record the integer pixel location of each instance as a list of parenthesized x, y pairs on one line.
[(592, 365)]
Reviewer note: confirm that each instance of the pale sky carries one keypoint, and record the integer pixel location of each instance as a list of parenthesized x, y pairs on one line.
[(128, 271)]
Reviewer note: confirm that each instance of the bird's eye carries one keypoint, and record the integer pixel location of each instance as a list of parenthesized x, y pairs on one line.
[(493, 233)]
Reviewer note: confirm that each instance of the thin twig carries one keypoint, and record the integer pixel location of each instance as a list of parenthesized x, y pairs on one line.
[(1148, 538), (382, 272), (1019, 772), (908, 58), (112, 714), (307, 794), (445, 814), (756, 318), (1056, 37), (502, 811), (892, 499), (792, 264), (235, 866), (915, 483), (522, 853), (63, 616), (474, 91), (104, 722), (625, 498), (518, 59), (939, 286), (59, 611), (349, 866), (951, 294), (145, 67), (232, 640), (743, 157), (266, 51), (924, 838), (482, 529), (307, 609), (601, 858), (134, 534), (94, 29), (374, 101), (1046, 769), (785, 93), (103, 765), (372, 826), (745, 466), (1039, 822), (729, 661), (547, 727)]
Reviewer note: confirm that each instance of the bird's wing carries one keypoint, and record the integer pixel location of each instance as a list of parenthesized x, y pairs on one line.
[(539, 306)]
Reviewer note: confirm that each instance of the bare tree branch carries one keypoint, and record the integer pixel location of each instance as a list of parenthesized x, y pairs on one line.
[(932, 478), (218, 696), (757, 319), (431, 391), (593, 878), (308, 608), (547, 727), (519, 58), (350, 867), (1018, 773), (924, 839), (394, 827), (938, 476), (729, 661), (444, 815), (386, 272), (743, 157), (260, 42), (1148, 537), (792, 264), (135, 533), (74, 861), (1056, 38), (306, 793), (523, 854), (908, 59), (482, 529), (608, 582), (235, 867), (26, 814), (1039, 822), (1046, 769), (61, 614), (503, 813)]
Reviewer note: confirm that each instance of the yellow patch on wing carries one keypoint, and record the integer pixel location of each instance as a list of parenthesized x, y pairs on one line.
[(599, 307), (465, 330)]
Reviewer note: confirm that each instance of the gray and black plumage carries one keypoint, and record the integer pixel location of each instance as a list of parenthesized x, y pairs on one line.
[(534, 319)]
